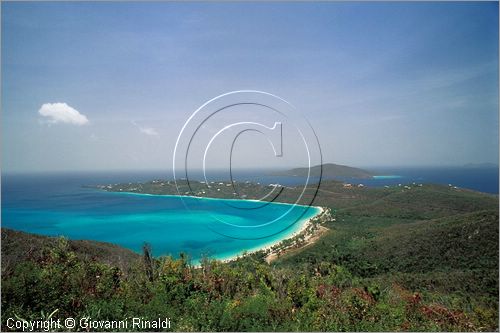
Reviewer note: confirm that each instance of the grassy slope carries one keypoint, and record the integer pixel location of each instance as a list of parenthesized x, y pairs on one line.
[(19, 246), (429, 239)]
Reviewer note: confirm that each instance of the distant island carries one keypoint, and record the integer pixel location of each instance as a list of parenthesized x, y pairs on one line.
[(330, 170)]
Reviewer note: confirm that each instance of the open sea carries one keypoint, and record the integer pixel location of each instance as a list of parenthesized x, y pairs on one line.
[(484, 179), (58, 204)]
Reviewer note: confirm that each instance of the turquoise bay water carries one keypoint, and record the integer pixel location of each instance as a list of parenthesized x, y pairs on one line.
[(387, 177), (60, 206)]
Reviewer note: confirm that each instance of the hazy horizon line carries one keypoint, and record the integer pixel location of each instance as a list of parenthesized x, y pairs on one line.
[(167, 170)]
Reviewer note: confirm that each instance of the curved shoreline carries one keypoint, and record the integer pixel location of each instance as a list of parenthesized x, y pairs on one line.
[(205, 198), (268, 247), (305, 223)]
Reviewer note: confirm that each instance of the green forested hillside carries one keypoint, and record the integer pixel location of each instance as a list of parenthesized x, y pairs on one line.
[(18, 246), (416, 258)]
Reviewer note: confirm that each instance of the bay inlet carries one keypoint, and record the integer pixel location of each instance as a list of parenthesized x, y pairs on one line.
[(199, 227)]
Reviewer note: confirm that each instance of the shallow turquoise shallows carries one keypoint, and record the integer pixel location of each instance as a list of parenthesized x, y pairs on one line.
[(387, 177), (198, 227)]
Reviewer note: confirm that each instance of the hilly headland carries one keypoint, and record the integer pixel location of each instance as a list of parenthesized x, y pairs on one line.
[(327, 170)]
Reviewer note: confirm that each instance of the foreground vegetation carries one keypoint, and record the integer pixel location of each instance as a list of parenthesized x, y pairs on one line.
[(417, 258)]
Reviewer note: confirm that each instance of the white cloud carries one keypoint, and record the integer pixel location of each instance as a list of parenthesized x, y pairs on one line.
[(146, 130), (62, 113)]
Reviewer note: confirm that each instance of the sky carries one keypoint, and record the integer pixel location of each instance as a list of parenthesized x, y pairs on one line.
[(109, 86)]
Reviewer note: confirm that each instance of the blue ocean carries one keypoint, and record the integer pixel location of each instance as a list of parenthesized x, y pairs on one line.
[(58, 204), (482, 179)]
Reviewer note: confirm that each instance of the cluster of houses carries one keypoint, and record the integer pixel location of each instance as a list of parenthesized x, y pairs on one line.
[(407, 187), (348, 185), (161, 182)]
